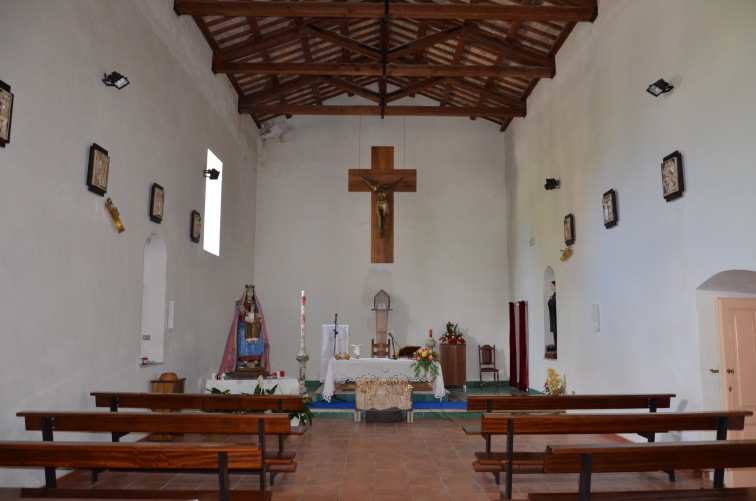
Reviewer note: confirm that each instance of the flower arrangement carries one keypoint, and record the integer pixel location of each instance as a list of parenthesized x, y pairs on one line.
[(424, 363), (452, 335), (555, 384), (551, 347)]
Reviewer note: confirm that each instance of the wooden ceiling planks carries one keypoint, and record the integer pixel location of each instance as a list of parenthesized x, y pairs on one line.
[(475, 58)]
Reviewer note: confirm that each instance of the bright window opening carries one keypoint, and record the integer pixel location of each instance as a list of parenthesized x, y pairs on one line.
[(212, 216)]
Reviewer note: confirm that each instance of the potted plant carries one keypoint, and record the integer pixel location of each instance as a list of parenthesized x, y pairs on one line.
[(303, 416)]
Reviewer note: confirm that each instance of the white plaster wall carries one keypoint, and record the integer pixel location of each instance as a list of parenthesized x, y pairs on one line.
[(313, 234), (70, 285), (596, 128)]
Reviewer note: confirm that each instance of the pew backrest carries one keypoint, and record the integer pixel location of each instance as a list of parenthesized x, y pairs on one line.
[(158, 422), (197, 401), (642, 423), (512, 403), (624, 457)]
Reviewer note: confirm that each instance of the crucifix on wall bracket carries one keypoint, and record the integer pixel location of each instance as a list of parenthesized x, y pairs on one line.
[(382, 180)]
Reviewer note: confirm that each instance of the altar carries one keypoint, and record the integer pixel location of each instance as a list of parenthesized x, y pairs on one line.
[(284, 385), (341, 371)]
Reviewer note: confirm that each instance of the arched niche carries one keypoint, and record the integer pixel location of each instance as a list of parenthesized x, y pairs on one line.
[(152, 332), (549, 336)]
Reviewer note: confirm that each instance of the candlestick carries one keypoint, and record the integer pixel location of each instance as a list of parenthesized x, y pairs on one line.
[(302, 325)]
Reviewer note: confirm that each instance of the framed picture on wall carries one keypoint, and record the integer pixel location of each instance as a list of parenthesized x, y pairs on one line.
[(569, 229), (99, 167), (157, 201), (196, 226), (609, 208), (6, 113), (672, 176)]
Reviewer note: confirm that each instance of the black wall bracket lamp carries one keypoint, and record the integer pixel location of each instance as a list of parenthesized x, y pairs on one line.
[(116, 80), (552, 184), (659, 87), (213, 174)]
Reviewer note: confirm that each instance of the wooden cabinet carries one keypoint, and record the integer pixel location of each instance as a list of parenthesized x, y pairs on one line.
[(453, 364)]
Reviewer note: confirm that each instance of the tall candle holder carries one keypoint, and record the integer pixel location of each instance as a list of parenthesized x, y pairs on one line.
[(302, 357)]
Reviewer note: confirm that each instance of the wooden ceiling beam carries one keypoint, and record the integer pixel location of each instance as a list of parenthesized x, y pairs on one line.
[(485, 92), (345, 42), (395, 70), (367, 110), (375, 10), (352, 88), (411, 89), (423, 43), (270, 41), (278, 90)]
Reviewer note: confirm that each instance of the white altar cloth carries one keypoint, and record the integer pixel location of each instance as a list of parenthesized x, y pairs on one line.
[(286, 385), (340, 371)]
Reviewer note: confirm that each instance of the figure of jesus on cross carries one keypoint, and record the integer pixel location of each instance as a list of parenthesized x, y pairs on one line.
[(382, 181), (382, 205)]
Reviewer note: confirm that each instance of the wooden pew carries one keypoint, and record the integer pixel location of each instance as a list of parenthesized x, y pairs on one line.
[(557, 403), (119, 424), (645, 424), (205, 457), (560, 403), (210, 403), (604, 458)]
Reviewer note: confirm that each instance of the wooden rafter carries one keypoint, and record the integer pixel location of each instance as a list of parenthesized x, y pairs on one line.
[(376, 10), (475, 58)]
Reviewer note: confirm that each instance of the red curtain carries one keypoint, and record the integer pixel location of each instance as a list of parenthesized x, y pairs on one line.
[(523, 379), (512, 347)]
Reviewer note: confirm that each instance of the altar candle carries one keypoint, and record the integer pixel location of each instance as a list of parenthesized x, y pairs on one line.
[(302, 321), (346, 346)]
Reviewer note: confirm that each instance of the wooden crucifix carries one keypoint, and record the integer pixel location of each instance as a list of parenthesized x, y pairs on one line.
[(382, 181)]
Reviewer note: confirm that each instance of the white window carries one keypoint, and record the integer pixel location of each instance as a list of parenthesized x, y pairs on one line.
[(212, 217)]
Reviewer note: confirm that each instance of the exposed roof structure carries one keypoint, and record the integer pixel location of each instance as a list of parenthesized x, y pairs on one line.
[(475, 58)]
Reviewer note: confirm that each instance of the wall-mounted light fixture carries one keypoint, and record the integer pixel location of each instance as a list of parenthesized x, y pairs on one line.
[(114, 214), (659, 87), (551, 184), (566, 253), (213, 174), (116, 80)]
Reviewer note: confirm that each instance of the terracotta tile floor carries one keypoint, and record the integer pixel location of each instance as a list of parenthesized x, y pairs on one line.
[(429, 459)]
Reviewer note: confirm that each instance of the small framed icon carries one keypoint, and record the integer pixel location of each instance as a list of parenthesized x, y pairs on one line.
[(673, 183), (6, 113), (569, 229), (157, 202), (609, 208), (196, 226), (99, 167)]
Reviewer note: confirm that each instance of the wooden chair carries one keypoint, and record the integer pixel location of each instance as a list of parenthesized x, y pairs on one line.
[(379, 350), (487, 362)]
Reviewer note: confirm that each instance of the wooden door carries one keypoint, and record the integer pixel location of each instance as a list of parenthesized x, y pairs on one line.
[(737, 331)]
